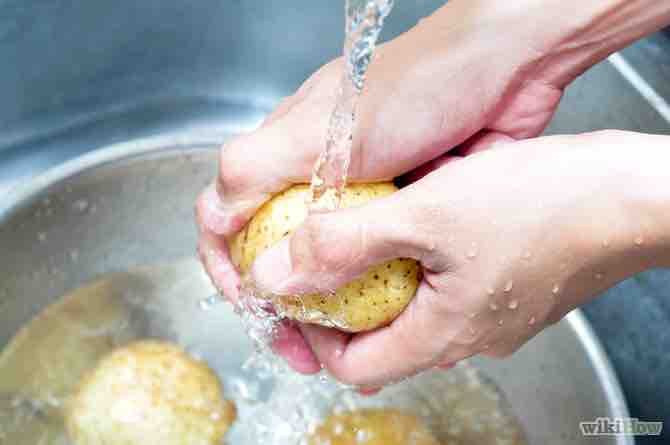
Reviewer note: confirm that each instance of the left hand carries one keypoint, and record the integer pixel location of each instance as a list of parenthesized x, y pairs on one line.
[(510, 240)]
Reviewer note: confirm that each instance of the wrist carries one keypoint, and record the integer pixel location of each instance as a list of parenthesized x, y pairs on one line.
[(559, 39)]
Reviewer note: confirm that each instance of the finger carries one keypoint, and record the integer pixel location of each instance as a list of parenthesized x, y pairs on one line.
[(482, 141), (331, 249), (291, 345), (214, 256), (213, 251), (428, 333), (421, 171)]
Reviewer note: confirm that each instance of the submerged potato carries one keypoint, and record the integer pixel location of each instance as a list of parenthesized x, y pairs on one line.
[(149, 393), (370, 301), (372, 427)]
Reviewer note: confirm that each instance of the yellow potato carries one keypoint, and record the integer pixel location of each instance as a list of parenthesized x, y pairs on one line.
[(149, 393), (372, 427), (370, 301)]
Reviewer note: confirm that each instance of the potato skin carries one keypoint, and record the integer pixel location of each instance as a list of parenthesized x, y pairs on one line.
[(149, 393), (368, 302), (372, 427)]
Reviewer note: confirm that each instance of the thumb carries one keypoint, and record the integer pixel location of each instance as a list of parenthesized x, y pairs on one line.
[(329, 250)]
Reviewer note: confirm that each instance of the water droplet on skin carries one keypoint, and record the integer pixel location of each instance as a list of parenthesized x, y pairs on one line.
[(472, 330), (513, 304), (501, 322), (472, 315), (639, 240), (606, 243), (485, 347), (527, 255), (531, 322), (493, 306), (599, 276), (509, 286), (41, 237), (556, 289), (490, 291)]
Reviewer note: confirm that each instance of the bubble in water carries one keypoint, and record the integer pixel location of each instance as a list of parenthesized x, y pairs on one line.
[(80, 205), (513, 304), (493, 306), (508, 286), (531, 322), (209, 302), (41, 237), (639, 240)]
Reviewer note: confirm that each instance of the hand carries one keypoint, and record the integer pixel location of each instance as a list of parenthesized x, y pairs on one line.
[(510, 240)]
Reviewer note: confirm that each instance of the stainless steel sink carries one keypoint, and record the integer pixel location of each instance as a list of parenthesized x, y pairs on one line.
[(79, 75)]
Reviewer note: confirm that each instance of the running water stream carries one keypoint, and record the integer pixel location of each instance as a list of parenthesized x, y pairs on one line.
[(364, 22)]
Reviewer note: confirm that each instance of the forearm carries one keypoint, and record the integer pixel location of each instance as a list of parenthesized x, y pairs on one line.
[(563, 37)]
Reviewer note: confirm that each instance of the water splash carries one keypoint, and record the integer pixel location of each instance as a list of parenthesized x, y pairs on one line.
[(364, 22)]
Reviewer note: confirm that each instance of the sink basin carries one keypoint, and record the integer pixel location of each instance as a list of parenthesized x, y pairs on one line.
[(84, 75)]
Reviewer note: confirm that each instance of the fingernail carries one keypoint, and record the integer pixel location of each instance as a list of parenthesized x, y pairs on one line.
[(273, 268)]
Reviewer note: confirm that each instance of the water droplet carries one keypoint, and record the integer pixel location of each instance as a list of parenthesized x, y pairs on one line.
[(556, 289), (606, 243), (639, 240), (472, 330), (41, 237), (531, 322), (209, 302), (501, 322), (490, 291), (80, 205), (599, 276), (513, 304), (509, 286), (527, 255), (472, 315), (493, 306)]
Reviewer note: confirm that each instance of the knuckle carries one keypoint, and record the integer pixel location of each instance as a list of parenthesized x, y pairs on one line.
[(234, 173), (322, 247)]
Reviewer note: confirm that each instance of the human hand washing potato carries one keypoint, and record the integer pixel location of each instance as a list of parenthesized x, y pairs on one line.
[(372, 427), (368, 302), (149, 393)]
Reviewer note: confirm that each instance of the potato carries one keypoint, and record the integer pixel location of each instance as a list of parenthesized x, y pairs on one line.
[(370, 301), (372, 427), (149, 393)]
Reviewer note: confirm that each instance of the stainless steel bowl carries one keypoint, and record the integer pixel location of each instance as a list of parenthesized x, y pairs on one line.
[(131, 204)]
